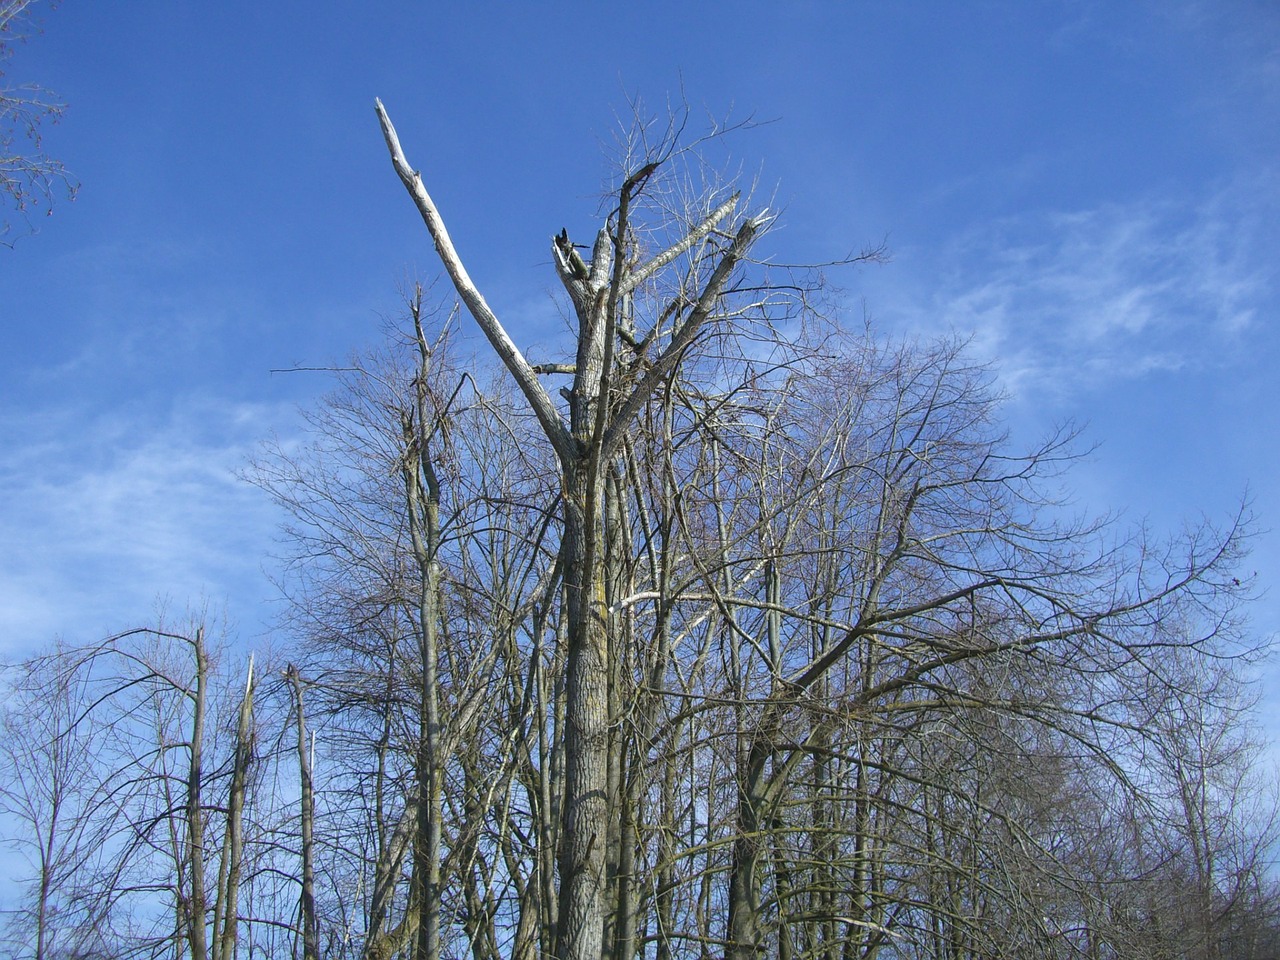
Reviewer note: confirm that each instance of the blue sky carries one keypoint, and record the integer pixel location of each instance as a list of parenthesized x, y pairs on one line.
[(1091, 191)]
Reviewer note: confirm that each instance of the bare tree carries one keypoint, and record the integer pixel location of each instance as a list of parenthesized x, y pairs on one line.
[(306, 819), (49, 780), (409, 588), (1205, 831), (602, 407), (133, 815)]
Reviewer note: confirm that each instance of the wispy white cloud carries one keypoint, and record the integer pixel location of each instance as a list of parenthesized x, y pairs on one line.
[(1061, 299), (102, 515)]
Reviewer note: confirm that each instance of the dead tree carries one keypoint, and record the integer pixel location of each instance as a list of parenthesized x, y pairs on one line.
[(602, 408)]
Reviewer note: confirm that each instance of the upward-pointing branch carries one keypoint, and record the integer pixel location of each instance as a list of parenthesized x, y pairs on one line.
[(670, 357), (696, 235), (526, 379)]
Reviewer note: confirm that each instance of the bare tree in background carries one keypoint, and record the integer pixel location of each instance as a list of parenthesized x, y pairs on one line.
[(28, 176), (135, 779), (49, 782), (410, 600)]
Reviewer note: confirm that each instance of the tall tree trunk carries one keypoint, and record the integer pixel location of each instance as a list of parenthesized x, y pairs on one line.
[(196, 900), (226, 915), (422, 493), (744, 931), (582, 852), (310, 926)]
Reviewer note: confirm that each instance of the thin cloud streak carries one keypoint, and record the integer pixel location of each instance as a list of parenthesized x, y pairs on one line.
[(1061, 300), (99, 521)]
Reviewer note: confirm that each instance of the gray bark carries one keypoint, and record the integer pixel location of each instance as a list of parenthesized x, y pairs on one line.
[(310, 926), (196, 902), (422, 494), (227, 915)]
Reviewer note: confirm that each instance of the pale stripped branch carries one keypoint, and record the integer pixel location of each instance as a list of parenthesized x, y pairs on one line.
[(503, 345)]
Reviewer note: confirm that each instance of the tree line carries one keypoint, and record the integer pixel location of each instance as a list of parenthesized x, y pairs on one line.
[(732, 632)]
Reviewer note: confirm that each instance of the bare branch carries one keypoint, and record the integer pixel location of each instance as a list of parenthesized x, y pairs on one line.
[(666, 362), (639, 275), (507, 351)]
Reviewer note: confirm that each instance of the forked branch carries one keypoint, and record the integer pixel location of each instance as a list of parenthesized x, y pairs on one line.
[(503, 345)]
